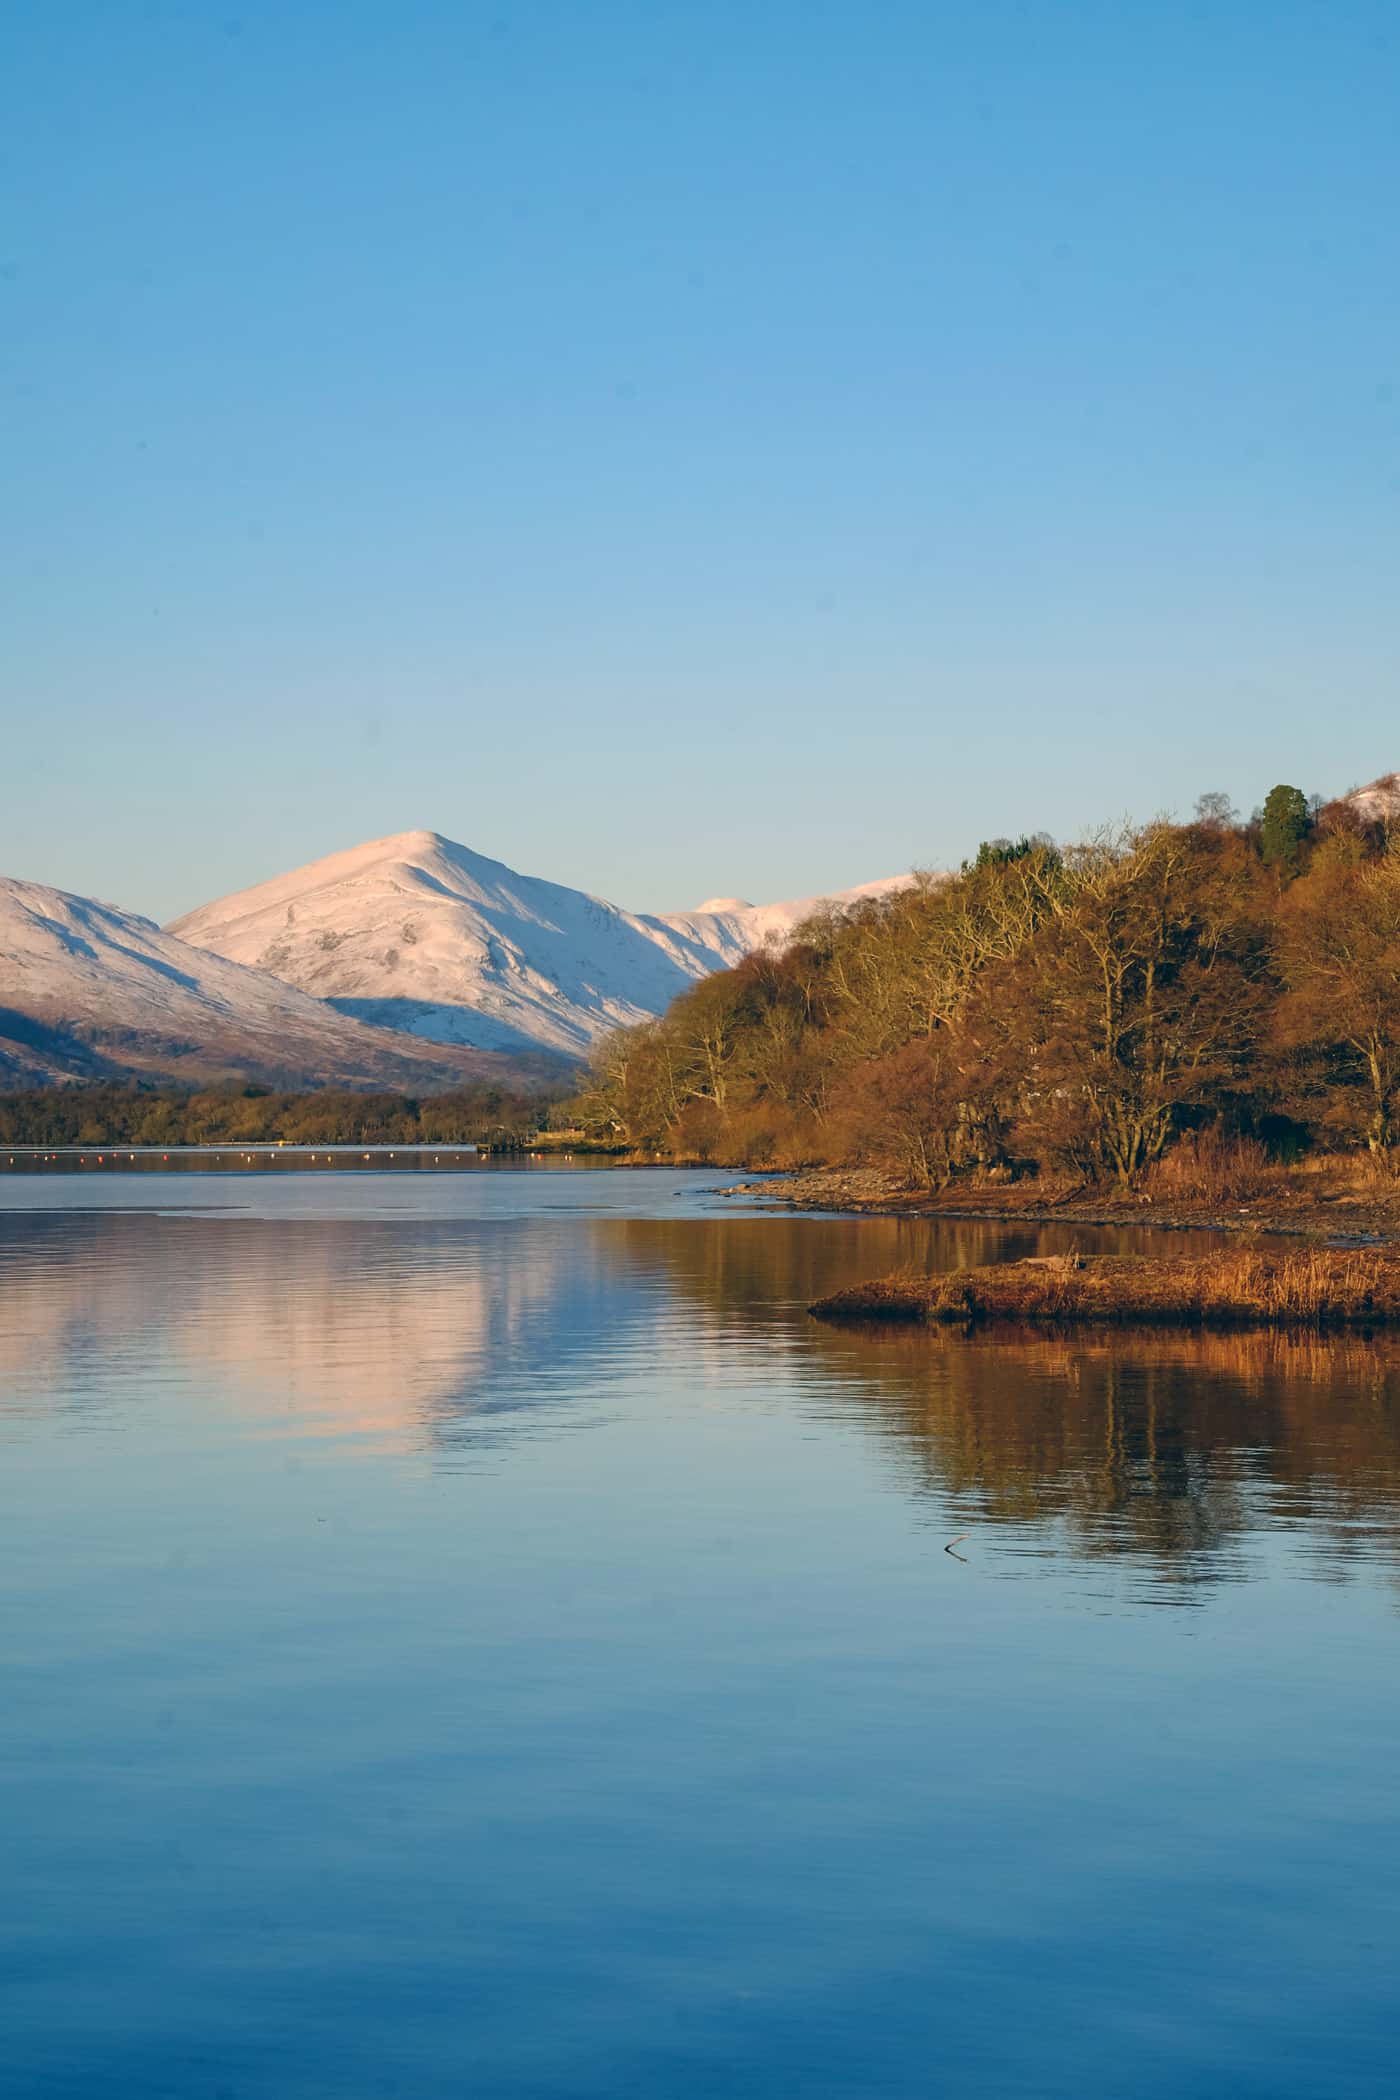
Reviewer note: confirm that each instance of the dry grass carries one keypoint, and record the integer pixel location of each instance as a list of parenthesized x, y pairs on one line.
[(1363, 1173), (1209, 1168), (1238, 1287)]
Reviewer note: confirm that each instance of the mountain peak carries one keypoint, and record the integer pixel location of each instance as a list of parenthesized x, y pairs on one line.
[(409, 842), (418, 933), (92, 991)]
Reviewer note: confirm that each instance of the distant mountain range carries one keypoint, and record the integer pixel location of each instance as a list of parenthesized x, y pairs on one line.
[(420, 935), (409, 963), (91, 992)]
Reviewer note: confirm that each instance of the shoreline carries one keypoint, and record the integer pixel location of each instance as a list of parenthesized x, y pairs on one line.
[(1337, 1215)]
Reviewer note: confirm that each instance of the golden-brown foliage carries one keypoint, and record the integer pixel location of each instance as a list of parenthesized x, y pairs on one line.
[(1155, 1006)]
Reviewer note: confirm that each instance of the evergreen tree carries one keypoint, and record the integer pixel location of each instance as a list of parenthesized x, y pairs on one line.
[(1284, 827)]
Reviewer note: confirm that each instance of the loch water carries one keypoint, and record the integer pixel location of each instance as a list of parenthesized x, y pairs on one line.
[(475, 1634)]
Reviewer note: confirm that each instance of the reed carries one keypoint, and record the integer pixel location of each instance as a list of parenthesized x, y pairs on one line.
[(1208, 1167)]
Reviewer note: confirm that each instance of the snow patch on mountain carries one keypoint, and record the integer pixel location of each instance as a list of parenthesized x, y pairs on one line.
[(1379, 800), (422, 935)]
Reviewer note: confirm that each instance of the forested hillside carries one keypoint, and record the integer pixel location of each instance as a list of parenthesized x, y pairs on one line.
[(1081, 1009)]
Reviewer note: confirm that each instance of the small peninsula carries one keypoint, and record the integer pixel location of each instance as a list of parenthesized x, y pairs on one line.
[(1312, 1287)]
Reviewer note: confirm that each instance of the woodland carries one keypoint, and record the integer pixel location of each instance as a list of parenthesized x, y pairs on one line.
[(1145, 1003)]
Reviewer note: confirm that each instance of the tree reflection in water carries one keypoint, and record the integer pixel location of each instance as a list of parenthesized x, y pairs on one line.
[(1170, 1450), (1165, 1446)]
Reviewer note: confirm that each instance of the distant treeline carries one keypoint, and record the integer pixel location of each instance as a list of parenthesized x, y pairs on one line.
[(1084, 1010), (132, 1115)]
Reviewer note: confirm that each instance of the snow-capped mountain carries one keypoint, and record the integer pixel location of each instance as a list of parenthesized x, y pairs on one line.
[(418, 934), (88, 991)]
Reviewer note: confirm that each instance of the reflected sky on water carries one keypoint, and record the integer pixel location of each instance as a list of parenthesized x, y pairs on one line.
[(478, 1634)]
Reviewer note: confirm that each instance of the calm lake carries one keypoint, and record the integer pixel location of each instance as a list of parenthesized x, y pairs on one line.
[(473, 1634)]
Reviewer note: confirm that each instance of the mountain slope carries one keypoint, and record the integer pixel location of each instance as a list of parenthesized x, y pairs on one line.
[(89, 991), (418, 934), (1379, 800)]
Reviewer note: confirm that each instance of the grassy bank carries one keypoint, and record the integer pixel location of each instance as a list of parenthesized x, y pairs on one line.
[(1319, 1287)]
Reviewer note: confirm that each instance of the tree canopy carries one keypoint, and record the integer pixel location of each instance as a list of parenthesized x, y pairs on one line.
[(1076, 1009)]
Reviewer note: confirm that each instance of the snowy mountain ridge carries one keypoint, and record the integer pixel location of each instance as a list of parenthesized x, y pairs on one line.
[(90, 991), (417, 933)]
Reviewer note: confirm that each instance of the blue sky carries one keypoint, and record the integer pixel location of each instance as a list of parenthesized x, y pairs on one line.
[(687, 449)]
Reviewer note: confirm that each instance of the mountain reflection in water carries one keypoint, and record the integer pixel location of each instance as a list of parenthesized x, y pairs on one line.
[(1167, 1448)]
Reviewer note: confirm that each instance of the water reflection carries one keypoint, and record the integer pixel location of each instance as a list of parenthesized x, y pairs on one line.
[(506, 1646), (1169, 1450), (349, 1329)]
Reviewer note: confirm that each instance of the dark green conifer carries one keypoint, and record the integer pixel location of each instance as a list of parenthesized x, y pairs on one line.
[(1284, 827)]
